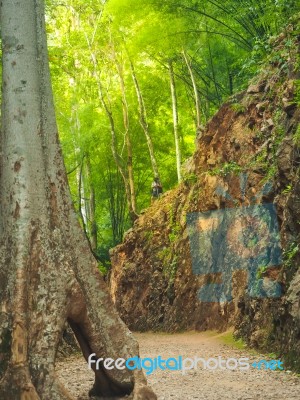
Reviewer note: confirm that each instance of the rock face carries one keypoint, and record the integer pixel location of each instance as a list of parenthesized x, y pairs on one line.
[(248, 155)]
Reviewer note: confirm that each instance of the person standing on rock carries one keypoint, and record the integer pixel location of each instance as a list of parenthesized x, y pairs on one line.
[(156, 188)]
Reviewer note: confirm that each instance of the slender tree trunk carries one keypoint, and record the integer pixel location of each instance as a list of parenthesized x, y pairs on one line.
[(118, 159), (144, 122), (196, 93), (81, 202), (84, 208), (230, 77), (175, 121), (116, 203), (47, 272), (213, 72), (91, 207), (127, 139)]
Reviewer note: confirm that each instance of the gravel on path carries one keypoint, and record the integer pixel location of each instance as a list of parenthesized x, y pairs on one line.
[(208, 384)]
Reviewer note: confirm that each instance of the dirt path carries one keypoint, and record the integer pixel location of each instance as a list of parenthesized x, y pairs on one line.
[(203, 384)]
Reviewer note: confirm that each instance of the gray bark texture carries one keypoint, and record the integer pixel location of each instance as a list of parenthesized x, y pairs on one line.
[(47, 273)]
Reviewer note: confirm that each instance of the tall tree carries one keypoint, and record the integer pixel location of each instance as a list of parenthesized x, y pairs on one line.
[(175, 119), (126, 172), (195, 89), (127, 135), (143, 121), (47, 272), (91, 207)]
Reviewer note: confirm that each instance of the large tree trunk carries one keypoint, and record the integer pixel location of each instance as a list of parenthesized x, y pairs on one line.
[(47, 272)]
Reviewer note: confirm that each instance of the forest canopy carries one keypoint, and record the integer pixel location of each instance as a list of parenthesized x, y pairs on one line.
[(134, 83)]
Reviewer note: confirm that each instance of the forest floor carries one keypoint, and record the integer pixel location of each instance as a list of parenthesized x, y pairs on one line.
[(251, 384)]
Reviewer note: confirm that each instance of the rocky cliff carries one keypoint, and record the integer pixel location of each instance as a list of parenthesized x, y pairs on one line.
[(247, 156)]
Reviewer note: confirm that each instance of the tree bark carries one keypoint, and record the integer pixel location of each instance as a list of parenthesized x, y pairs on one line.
[(213, 74), (114, 147), (196, 94), (127, 139), (175, 121), (144, 122), (116, 202), (117, 158), (92, 224), (47, 272), (83, 209)]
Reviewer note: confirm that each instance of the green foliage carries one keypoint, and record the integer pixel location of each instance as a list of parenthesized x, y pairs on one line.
[(270, 172), (175, 233), (265, 159), (169, 262), (174, 226), (171, 269), (261, 270), (238, 108), (148, 235), (289, 254), (90, 42), (165, 254), (226, 169), (190, 179), (296, 136), (231, 340), (288, 189), (297, 91), (103, 269)]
